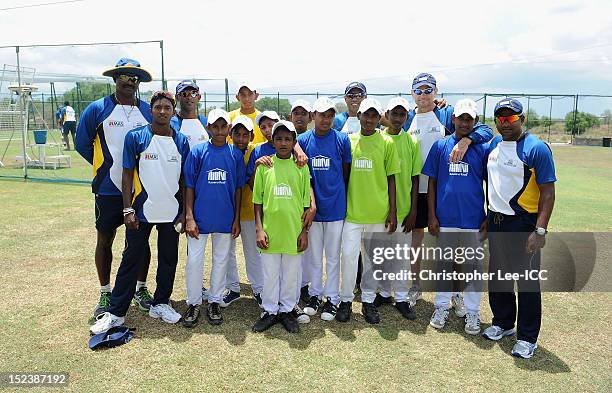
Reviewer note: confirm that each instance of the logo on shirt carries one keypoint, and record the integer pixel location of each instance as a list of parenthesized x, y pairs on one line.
[(138, 124), (116, 123), (363, 164), (173, 158), (151, 156), (510, 163), (459, 169), (283, 191), (217, 176), (414, 131), (320, 163)]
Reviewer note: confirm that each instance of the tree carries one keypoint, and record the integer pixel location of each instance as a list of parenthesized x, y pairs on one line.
[(281, 106), (89, 92), (546, 121), (607, 116), (583, 122), (532, 119)]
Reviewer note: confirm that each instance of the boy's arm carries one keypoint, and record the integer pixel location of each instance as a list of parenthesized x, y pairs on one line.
[(433, 224), (127, 181), (302, 240), (391, 222), (410, 220), (191, 228), (236, 223), (262, 236), (301, 158), (310, 212)]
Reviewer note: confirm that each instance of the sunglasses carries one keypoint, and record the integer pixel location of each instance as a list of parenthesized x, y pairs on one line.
[(507, 119), (128, 78), (355, 95), (189, 93), (427, 91)]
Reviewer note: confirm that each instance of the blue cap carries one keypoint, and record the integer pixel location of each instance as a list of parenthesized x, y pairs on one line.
[(115, 336), (187, 83), (355, 85), (510, 103), (424, 79), (129, 67)]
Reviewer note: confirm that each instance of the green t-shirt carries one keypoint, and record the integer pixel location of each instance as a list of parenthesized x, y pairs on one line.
[(411, 164), (284, 192), (374, 158)]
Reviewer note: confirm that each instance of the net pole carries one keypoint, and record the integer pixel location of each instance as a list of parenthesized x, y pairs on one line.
[(23, 122)]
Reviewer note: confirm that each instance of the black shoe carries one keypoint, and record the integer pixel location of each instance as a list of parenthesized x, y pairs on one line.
[(304, 297), (289, 322), (406, 311), (312, 307), (370, 313), (213, 312), (379, 300), (257, 297), (265, 322), (344, 311), (329, 310), (191, 316)]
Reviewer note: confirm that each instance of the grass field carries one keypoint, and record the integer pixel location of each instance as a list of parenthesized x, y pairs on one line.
[(49, 288)]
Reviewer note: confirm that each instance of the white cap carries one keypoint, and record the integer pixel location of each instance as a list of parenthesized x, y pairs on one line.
[(269, 114), (466, 106), (301, 104), (370, 103), (283, 123), (248, 85), (245, 121), (398, 101), (323, 104), (217, 114)]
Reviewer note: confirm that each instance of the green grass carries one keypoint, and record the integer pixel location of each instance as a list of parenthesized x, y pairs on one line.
[(49, 288)]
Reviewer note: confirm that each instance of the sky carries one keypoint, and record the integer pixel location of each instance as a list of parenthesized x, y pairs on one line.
[(530, 47)]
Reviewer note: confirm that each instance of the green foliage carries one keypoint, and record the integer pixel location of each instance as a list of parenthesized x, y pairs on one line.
[(532, 119), (583, 122), (282, 106), (89, 92)]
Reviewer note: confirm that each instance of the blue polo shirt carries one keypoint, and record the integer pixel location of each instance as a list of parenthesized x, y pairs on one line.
[(326, 156), (264, 149), (459, 189)]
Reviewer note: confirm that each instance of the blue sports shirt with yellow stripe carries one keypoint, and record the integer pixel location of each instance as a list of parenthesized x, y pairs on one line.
[(99, 139)]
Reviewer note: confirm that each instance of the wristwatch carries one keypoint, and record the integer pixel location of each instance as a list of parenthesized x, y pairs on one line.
[(541, 231)]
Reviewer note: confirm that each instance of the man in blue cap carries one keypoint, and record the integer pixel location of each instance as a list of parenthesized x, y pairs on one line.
[(429, 123), (188, 121), (99, 139), (521, 195), (348, 122)]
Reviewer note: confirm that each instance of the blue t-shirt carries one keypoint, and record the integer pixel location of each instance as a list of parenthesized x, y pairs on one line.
[(265, 149), (157, 162), (214, 173), (326, 156), (459, 187)]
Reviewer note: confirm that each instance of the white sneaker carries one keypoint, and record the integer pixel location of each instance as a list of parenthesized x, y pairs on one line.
[(300, 315), (106, 321), (524, 349), (165, 312), (458, 305), (414, 294), (439, 318), (472, 323), (496, 333)]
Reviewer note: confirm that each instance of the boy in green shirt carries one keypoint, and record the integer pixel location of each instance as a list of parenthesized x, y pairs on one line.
[(281, 195), (370, 206), (407, 186)]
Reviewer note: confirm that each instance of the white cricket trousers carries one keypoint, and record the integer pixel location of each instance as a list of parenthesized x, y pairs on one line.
[(456, 237), (351, 245), (280, 279), (194, 269), (252, 260), (398, 288), (325, 237)]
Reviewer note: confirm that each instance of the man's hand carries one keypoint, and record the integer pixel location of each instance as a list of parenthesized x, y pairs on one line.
[(302, 241), (131, 221), (235, 229), (433, 225), (265, 161), (262, 239), (459, 150), (535, 242), (409, 221), (391, 222), (191, 228), (308, 217), (440, 103), (484, 230)]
